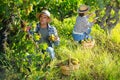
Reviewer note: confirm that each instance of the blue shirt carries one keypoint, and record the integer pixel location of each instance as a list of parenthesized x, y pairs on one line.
[(45, 33)]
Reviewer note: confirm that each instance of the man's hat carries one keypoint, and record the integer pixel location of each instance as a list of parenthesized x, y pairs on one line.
[(83, 9), (46, 12)]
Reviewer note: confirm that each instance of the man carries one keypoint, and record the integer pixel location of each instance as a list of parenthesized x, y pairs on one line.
[(82, 27), (48, 34)]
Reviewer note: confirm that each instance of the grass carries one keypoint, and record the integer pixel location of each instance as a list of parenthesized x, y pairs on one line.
[(116, 34), (99, 63)]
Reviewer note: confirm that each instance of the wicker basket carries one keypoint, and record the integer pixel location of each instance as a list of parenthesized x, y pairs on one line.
[(68, 69), (88, 44)]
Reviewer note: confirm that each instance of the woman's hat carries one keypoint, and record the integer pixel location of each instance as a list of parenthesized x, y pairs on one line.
[(46, 12), (83, 9)]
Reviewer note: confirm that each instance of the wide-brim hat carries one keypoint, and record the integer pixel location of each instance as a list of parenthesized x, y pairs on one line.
[(83, 9), (45, 12)]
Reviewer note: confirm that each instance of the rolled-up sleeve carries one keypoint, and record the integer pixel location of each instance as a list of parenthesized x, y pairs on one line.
[(57, 42)]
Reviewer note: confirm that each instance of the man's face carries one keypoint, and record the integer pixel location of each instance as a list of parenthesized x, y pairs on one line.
[(44, 19)]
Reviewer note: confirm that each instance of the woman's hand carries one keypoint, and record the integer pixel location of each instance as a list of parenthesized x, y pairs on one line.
[(95, 20)]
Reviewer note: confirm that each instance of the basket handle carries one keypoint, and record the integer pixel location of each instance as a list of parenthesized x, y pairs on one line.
[(70, 60)]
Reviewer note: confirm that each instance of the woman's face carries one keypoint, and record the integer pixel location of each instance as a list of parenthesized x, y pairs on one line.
[(44, 19)]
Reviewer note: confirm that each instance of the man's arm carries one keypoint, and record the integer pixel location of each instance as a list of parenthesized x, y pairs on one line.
[(57, 39)]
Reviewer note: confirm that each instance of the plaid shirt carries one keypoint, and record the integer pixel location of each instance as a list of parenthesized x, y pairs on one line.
[(51, 30), (82, 25)]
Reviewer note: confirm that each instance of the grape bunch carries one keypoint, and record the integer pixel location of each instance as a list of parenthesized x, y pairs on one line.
[(52, 37), (36, 36)]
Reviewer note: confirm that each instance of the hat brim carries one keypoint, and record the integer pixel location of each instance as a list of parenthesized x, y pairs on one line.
[(83, 11), (38, 15)]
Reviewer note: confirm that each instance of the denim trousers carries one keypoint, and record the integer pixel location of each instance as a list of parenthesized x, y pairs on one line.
[(50, 50), (79, 37)]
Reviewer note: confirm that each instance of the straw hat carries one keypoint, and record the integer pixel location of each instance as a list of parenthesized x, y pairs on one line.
[(46, 12), (83, 9)]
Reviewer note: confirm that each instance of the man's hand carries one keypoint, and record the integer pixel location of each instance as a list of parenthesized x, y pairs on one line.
[(56, 38), (28, 28), (53, 37)]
